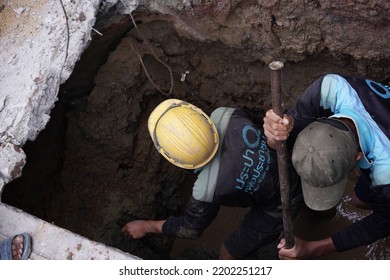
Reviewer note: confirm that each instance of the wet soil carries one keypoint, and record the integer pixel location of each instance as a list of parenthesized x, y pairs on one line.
[(94, 166)]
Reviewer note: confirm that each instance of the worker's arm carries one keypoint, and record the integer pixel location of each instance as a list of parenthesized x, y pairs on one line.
[(371, 228), (307, 109), (306, 249), (139, 228), (190, 224)]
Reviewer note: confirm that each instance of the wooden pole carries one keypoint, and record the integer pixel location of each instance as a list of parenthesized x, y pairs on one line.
[(282, 153)]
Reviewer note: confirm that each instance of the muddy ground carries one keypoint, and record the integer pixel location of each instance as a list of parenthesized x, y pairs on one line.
[(94, 166)]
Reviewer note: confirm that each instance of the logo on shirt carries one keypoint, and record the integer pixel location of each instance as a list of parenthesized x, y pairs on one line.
[(256, 160), (381, 90)]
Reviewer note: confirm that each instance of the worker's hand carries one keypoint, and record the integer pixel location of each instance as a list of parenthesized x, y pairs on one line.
[(135, 229), (306, 249), (139, 228), (277, 128), (301, 250)]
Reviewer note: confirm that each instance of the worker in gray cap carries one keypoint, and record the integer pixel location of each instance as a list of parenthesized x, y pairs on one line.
[(338, 123)]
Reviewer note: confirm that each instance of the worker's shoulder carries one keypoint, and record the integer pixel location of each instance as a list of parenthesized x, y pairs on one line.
[(341, 79), (218, 114), (334, 78), (221, 117)]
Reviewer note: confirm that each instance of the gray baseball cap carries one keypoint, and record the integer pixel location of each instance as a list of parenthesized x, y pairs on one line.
[(323, 155)]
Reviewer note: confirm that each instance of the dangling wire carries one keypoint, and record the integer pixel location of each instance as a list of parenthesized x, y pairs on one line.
[(153, 53), (67, 38)]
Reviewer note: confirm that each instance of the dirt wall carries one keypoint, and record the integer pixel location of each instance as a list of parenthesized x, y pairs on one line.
[(94, 165)]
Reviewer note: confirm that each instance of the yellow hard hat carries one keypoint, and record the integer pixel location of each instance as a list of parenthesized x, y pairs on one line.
[(183, 133)]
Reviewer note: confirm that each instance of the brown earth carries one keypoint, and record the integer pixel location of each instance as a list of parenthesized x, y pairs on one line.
[(94, 166)]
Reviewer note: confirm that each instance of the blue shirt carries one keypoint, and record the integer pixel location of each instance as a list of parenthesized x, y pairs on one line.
[(344, 101)]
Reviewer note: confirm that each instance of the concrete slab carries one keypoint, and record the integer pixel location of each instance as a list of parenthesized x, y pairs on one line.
[(51, 242)]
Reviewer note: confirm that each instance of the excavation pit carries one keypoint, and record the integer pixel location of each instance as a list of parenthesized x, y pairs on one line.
[(94, 166)]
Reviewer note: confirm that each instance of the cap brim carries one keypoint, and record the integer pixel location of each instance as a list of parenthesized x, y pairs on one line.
[(324, 198)]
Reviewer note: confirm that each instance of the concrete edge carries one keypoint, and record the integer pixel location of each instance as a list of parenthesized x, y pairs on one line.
[(51, 242)]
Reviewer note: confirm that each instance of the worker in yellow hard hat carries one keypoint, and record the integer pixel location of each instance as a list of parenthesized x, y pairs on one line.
[(183, 134), (237, 169)]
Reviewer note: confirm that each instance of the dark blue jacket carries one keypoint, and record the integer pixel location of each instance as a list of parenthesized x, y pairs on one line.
[(243, 173)]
